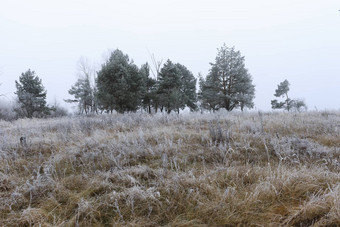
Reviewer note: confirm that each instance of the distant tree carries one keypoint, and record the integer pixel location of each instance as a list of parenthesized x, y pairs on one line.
[(57, 110), (282, 91), (31, 95), (83, 94), (176, 87), (7, 112), (288, 103), (299, 105), (246, 93), (155, 70), (148, 89), (84, 90), (208, 94), (169, 85), (188, 87), (228, 84), (119, 84)]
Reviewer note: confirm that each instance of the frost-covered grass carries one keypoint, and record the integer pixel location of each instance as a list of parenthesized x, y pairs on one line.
[(260, 169)]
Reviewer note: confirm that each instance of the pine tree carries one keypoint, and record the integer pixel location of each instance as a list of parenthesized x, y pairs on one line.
[(209, 93), (84, 90), (188, 87), (228, 82), (83, 94), (288, 103), (31, 95), (119, 84), (149, 88), (176, 87), (169, 85), (282, 91)]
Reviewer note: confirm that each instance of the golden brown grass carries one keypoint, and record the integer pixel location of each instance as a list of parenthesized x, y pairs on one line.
[(240, 169)]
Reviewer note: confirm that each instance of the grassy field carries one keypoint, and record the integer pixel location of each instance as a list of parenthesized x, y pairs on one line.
[(238, 169)]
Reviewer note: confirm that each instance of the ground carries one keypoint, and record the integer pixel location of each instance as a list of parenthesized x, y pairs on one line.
[(223, 169)]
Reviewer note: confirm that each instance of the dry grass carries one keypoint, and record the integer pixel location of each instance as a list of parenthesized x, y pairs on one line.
[(255, 169)]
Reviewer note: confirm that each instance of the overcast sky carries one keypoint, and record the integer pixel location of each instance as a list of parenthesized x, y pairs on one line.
[(298, 40)]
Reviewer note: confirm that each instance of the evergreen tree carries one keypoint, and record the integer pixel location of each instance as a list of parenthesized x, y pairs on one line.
[(31, 95), (169, 86), (155, 70), (188, 87), (246, 92), (176, 87), (83, 94), (228, 84), (119, 84), (288, 103), (209, 94), (149, 88), (282, 91), (84, 90)]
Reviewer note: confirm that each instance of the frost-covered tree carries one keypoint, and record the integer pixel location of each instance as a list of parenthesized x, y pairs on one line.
[(119, 84), (299, 105), (228, 84), (288, 103), (57, 110), (31, 96), (7, 112)]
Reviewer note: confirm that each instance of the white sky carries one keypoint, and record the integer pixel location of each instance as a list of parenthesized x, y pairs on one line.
[(298, 40)]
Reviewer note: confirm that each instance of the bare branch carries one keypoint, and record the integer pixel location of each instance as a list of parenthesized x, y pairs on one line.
[(156, 64)]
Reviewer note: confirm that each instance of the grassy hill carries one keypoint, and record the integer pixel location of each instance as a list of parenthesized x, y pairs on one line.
[(246, 169)]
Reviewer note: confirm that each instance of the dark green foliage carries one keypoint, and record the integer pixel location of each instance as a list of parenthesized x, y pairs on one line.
[(282, 89), (176, 87), (228, 84), (169, 85), (188, 90), (209, 94), (31, 96), (120, 86)]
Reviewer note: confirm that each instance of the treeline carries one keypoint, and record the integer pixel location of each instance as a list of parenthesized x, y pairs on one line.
[(121, 86)]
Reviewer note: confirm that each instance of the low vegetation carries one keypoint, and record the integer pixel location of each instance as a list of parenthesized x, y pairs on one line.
[(223, 169)]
